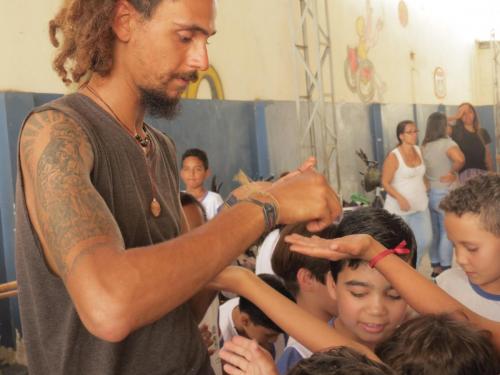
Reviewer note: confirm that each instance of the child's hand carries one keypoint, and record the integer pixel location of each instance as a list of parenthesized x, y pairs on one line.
[(246, 357), (208, 338), (359, 246), (230, 279)]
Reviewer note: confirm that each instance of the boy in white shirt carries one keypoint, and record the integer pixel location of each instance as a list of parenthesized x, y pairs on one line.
[(472, 220), (194, 172)]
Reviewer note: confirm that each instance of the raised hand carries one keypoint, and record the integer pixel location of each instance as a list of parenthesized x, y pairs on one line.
[(208, 338), (306, 197), (360, 246), (246, 357)]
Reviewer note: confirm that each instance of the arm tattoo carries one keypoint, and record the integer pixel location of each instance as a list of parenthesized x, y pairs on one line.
[(69, 209)]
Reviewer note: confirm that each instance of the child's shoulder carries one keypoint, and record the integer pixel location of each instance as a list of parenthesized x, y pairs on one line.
[(451, 275), (455, 282)]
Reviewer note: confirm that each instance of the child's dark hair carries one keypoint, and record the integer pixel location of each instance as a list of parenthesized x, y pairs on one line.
[(439, 344), (187, 199), (286, 263), (388, 229), (339, 361), (197, 153), (479, 196), (254, 313)]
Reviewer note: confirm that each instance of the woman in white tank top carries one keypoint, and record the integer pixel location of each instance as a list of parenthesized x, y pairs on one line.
[(403, 180)]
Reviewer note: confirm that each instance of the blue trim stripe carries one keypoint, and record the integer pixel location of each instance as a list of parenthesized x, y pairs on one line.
[(484, 294)]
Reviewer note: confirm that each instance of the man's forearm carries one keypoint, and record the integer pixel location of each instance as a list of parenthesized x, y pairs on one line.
[(136, 287)]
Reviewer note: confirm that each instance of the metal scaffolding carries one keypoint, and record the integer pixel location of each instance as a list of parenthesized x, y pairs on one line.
[(311, 43)]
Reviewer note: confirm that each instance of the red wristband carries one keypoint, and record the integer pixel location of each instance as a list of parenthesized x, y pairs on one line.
[(378, 257), (400, 249)]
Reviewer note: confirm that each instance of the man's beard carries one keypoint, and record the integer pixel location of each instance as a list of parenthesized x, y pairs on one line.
[(160, 105)]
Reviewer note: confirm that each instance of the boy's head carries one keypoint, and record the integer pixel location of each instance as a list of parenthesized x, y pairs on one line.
[(339, 361), (304, 275), (194, 168), (472, 221), (256, 325), (369, 308), (193, 209), (438, 344)]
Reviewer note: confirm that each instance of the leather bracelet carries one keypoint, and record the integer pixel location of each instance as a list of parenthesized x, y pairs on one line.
[(230, 201), (272, 198), (269, 211)]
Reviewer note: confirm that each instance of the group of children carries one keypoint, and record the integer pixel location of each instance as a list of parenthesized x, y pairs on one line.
[(355, 300)]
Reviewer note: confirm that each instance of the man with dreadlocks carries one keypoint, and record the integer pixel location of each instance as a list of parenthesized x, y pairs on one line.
[(106, 279)]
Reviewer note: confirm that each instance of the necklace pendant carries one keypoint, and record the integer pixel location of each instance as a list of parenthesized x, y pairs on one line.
[(155, 208)]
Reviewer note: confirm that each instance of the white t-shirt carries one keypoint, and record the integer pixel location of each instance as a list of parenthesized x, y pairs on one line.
[(455, 282), (265, 253), (226, 324), (212, 201), (409, 182)]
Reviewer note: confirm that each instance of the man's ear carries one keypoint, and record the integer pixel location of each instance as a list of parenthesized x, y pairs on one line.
[(125, 15), (208, 173), (305, 279), (331, 287)]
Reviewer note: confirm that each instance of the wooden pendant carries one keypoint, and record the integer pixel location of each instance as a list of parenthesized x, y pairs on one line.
[(155, 207)]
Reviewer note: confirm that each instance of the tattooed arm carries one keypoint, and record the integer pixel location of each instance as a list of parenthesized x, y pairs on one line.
[(117, 291)]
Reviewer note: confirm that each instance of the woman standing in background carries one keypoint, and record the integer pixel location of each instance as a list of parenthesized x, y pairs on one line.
[(443, 159), (403, 180), (472, 140)]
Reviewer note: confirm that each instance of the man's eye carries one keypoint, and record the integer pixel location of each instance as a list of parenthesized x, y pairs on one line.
[(185, 37)]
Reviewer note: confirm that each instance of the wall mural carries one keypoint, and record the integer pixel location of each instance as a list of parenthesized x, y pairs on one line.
[(214, 81), (403, 13), (359, 71), (439, 83)]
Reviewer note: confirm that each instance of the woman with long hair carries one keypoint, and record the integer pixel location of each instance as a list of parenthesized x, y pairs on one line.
[(472, 140), (403, 180), (443, 159)]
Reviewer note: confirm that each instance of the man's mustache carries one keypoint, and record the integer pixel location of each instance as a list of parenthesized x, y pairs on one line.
[(190, 76)]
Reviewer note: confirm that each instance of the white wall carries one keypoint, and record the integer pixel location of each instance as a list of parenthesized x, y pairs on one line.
[(252, 52)]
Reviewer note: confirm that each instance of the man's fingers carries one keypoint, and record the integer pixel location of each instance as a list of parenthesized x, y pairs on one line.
[(310, 163)]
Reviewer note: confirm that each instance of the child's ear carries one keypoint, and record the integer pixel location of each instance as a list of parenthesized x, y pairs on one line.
[(208, 173), (331, 287), (245, 319), (305, 280)]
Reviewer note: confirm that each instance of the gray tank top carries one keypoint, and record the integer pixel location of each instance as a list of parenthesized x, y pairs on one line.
[(56, 341)]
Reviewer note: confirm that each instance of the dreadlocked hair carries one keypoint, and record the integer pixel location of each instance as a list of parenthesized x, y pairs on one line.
[(85, 28)]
